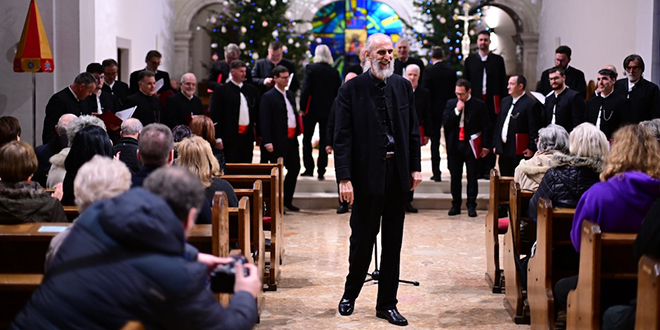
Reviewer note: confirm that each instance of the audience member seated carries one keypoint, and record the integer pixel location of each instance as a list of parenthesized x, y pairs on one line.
[(553, 139), (631, 184), (45, 151), (653, 126), (98, 179), (10, 130), (57, 172), (203, 126), (125, 260), (574, 173), (127, 145), (89, 141), (195, 155), (180, 132), (155, 150), (22, 200)]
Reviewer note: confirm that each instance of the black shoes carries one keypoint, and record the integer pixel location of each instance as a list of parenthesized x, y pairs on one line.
[(411, 209), (436, 178), (346, 306), (321, 177), (342, 209), (291, 207), (454, 211), (472, 213), (306, 173), (391, 315)]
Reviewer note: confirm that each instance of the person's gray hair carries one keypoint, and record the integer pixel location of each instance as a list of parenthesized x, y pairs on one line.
[(85, 78), (586, 140), (552, 137), (403, 41), (81, 122), (370, 40), (322, 54), (155, 144), (179, 188), (232, 49), (653, 126), (187, 74), (100, 178), (413, 67), (64, 122), (131, 126)]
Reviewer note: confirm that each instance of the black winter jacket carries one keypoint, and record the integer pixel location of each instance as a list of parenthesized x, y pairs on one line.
[(28, 202)]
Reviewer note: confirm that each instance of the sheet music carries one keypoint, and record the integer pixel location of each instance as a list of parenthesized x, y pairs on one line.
[(540, 97), (125, 114), (290, 80), (52, 229), (159, 84)]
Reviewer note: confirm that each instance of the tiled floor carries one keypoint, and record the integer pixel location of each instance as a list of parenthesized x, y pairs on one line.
[(446, 254)]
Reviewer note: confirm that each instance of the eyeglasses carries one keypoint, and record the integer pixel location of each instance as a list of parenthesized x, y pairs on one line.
[(555, 78), (633, 68), (461, 94), (283, 77), (99, 78)]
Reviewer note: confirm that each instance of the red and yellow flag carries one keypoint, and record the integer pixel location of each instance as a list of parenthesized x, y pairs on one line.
[(33, 53)]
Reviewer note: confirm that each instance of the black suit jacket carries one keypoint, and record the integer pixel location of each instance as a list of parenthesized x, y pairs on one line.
[(359, 143), (273, 120), (475, 122), (644, 100), (120, 90), (108, 103), (148, 108), (525, 118), (440, 80), (134, 88), (569, 112), (574, 79), (614, 106), (61, 103), (225, 109), (263, 69), (423, 110), (218, 68), (399, 66), (496, 80), (128, 147), (178, 108), (320, 88)]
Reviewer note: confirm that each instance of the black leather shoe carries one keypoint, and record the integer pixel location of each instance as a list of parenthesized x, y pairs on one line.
[(321, 177), (411, 209), (436, 178), (346, 306), (472, 213), (342, 209), (291, 207), (454, 211), (307, 174), (393, 316)]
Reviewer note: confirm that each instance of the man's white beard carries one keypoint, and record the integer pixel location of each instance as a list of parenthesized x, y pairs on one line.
[(383, 73)]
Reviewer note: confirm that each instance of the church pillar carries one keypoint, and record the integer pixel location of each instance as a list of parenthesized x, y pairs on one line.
[(530, 44), (181, 53)]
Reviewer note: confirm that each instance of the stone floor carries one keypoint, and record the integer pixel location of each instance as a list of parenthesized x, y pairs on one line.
[(445, 254)]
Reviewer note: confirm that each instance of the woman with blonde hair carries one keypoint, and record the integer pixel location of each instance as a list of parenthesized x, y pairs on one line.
[(202, 126)]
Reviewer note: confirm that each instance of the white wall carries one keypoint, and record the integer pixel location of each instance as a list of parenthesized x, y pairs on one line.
[(599, 32)]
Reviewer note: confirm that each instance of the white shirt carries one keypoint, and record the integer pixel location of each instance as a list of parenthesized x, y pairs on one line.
[(461, 121), (505, 127), (291, 115), (483, 82), (244, 112)]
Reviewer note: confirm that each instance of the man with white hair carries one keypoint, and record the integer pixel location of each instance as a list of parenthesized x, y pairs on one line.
[(320, 88), (403, 58), (181, 106), (377, 160), (126, 148), (220, 72), (56, 144)]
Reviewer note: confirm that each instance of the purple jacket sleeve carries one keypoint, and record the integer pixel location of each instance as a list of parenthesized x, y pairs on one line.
[(587, 209)]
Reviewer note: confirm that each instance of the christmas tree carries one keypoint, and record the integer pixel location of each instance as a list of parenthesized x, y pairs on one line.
[(438, 19), (252, 25)]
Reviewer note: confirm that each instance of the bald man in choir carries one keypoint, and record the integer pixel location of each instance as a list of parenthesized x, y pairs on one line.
[(181, 106)]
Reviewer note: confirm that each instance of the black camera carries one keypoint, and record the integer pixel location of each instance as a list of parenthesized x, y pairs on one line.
[(224, 277)]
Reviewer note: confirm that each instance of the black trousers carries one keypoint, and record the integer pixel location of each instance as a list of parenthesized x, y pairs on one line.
[(309, 123), (435, 152), (456, 160), (291, 163), (371, 213), (508, 164), (239, 149)]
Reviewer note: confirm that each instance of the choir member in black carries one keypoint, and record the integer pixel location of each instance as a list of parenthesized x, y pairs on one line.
[(520, 117), (424, 116), (574, 77), (100, 101), (403, 58), (219, 73), (643, 95), (235, 109), (112, 85), (377, 158), (465, 117), (153, 61), (486, 73), (262, 74), (564, 106), (319, 90), (148, 105), (607, 109), (181, 106), (356, 69), (440, 79), (69, 100), (279, 130)]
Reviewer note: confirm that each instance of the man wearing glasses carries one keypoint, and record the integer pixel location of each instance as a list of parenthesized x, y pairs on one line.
[(643, 96), (100, 102), (564, 106), (153, 61), (181, 106)]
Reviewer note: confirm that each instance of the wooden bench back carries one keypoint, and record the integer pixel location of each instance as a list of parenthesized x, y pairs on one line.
[(257, 239), (23, 247), (499, 195), (602, 256), (553, 244), (648, 294), (261, 169)]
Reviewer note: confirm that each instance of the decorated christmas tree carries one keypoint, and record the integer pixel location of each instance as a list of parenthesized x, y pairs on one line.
[(444, 28), (252, 25)]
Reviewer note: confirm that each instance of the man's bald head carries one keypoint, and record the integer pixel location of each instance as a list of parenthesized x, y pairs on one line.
[(131, 127), (63, 123)]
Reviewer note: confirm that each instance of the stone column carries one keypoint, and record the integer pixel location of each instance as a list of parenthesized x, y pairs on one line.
[(530, 45), (182, 60)]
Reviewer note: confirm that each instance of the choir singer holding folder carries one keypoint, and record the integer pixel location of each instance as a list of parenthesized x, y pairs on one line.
[(465, 119), (517, 126)]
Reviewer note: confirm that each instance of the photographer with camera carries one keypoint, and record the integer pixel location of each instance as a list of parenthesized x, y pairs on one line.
[(126, 260)]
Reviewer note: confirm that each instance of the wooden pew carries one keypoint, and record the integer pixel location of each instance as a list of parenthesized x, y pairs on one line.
[(272, 198), (514, 295), (603, 256), (257, 239), (260, 169), (648, 294), (553, 244), (499, 195), (71, 212)]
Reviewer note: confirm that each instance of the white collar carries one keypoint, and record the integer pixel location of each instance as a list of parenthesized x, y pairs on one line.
[(515, 99), (235, 83), (74, 94)]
